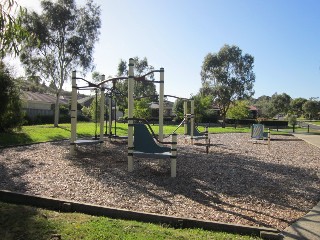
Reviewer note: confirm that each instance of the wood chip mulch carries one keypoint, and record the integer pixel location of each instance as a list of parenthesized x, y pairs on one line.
[(237, 182)]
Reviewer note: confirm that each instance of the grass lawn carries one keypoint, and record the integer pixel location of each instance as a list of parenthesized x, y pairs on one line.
[(44, 133), (24, 222), (316, 122)]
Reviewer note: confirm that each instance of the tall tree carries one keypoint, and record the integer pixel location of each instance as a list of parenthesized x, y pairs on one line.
[(67, 36), (11, 31), (230, 75), (141, 89), (280, 103), (263, 104), (11, 36), (311, 108), (296, 106)]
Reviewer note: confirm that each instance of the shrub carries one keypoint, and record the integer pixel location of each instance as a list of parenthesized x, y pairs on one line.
[(11, 115)]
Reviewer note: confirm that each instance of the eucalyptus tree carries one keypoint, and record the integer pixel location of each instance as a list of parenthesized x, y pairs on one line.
[(11, 36), (311, 108), (229, 75), (141, 89), (66, 36), (11, 32), (263, 103), (296, 106), (280, 103)]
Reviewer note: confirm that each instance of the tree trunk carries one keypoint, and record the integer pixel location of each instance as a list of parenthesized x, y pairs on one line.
[(57, 111), (223, 120)]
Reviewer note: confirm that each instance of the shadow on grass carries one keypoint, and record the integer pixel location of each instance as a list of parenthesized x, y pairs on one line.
[(23, 222), (13, 138)]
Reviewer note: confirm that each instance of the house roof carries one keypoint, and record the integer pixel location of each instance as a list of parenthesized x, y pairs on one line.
[(85, 99), (253, 108), (42, 97), (166, 105)]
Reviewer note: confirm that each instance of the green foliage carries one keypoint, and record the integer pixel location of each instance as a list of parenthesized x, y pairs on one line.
[(33, 84), (239, 110), (229, 76), (263, 104), (178, 110), (11, 115), (142, 109), (203, 108), (296, 106), (86, 111), (141, 67), (94, 108), (311, 109), (11, 31), (280, 103), (292, 120), (67, 35)]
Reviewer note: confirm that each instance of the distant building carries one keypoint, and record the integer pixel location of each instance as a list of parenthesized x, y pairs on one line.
[(253, 112), (40, 104), (86, 101), (167, 109)]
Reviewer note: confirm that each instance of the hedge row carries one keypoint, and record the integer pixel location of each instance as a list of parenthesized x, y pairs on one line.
[(267, 123)]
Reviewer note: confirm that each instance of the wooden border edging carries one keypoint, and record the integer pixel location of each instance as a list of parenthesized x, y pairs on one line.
[(176, 222)]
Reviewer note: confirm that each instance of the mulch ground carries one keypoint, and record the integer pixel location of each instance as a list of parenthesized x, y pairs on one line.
[(237, 182)]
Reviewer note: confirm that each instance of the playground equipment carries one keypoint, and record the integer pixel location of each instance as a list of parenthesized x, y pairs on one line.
[(258, 133), (91, 86), (140, 141), (112, 109), (190, 129), (145, 145)]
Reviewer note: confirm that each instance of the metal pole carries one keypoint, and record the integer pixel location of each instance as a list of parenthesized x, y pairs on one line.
[(73, 114), (130, 114), (192, 120), (102, 101), (185, 112), (173, 156), (207, 140), (110, 115), (115, 117), (269, 138), (161, 101)]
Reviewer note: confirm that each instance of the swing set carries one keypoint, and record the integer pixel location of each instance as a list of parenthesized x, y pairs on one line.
[(74, 141)]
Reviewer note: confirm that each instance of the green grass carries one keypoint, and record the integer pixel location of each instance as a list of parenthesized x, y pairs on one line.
[(24, 222), (315, 122), (44, 133)]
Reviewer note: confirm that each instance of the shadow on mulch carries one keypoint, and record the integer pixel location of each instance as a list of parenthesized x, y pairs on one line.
[(13, 177), (205, 179)]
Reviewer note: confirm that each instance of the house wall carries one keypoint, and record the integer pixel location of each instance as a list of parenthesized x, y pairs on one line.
[(33, 109)]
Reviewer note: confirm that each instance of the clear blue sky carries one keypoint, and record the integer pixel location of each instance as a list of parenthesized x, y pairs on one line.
[(282, 35)]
